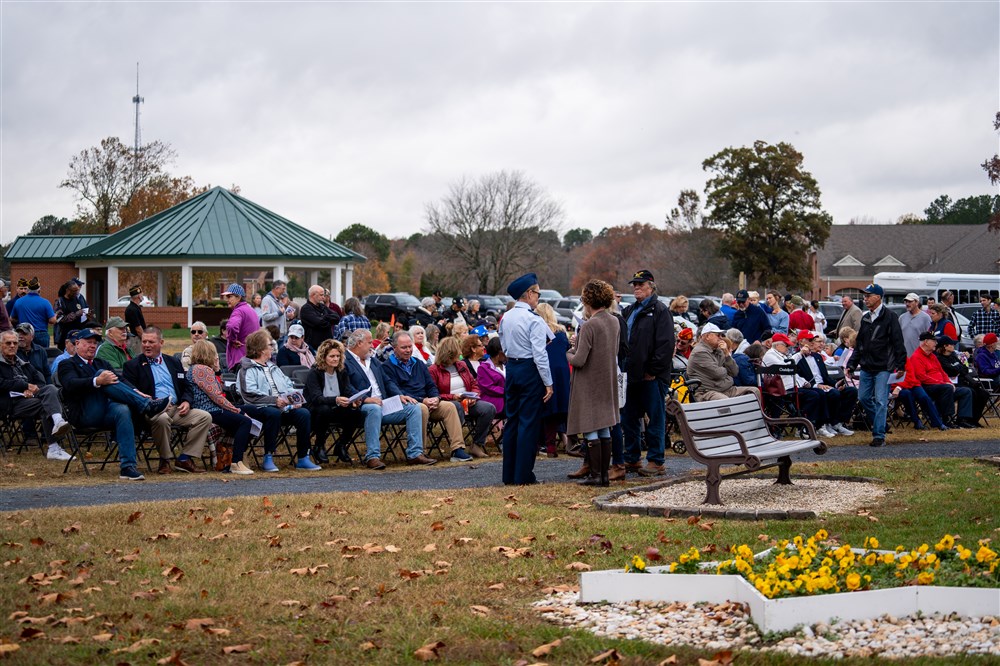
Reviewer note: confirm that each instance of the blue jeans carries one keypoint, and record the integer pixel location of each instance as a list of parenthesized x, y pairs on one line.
[(645, 398), (111, 410), (873, 394), (409, 415)]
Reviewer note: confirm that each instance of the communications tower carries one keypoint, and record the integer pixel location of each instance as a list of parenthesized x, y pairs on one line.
[(137, 100)]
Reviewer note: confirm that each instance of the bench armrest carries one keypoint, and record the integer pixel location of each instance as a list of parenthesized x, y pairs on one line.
[(718, 433), (793, 420)]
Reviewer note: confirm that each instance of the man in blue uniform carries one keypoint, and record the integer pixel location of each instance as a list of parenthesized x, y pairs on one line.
[(523, 334)]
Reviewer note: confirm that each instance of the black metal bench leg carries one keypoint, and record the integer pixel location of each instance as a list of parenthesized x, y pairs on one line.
[(712, 480), (784, 467)]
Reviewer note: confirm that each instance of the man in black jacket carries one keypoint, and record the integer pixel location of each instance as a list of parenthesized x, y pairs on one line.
[(163, 377), (879, 350), (317, 319), (651, 348), (36, 398)]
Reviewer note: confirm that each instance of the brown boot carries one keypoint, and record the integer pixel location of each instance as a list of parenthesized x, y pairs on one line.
[(581, 473), (617, 473), (598, 476), (477, 451)]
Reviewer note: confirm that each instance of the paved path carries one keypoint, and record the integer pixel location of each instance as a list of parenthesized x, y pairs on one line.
[(482, 474)]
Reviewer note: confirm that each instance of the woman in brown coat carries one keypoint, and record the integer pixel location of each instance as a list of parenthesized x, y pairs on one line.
[(593, 398)]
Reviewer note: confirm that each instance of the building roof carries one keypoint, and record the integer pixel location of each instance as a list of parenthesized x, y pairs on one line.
[(861, 250), (217, 224), (40, 249)]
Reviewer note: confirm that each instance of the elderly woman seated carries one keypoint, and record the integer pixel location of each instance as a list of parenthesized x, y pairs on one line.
[(421, 349), (456, 384), (268, 392), (295, 351), (327, 391)]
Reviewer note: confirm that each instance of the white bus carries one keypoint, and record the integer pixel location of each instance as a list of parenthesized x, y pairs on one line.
[(966, 287)]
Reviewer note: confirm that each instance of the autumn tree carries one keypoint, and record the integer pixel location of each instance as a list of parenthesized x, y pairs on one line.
[(992, 169), (687, 214), (620, 251), (490, 226), (159, 194), (107, 177), (769, 209)]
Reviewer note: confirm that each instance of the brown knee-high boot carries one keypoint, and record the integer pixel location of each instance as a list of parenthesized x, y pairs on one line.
[(594, 460)]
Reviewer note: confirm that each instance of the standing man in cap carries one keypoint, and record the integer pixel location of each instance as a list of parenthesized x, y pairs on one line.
[(879, 350), (35, 310), (273, 309), (72, 311), (135, 320), (912, 323), (749, 318), (5, 324), (96, 398), (20, 290), (114, 349), (524, 334), (651, 348), (242, 322)]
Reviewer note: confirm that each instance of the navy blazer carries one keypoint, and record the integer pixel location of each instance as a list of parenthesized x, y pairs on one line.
[(139, 373), (359, 379), (802, 370), (77, 381)]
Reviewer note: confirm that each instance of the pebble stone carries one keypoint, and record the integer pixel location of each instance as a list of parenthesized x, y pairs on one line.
[(728, 626)]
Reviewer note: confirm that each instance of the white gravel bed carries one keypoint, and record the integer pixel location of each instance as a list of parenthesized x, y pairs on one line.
[(819, 495), (729, 627)]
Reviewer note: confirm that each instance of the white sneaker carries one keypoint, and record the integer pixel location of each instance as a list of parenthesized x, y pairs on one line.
[(57, 452), (240, 468), (841, 429), (824, 431), (60, 426)]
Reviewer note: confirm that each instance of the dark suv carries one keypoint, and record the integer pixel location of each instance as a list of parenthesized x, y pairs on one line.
[(383, 306)]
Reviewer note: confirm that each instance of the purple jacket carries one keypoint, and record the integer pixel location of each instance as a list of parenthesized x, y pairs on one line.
[(491, 385), (242, 322), (987, 363)]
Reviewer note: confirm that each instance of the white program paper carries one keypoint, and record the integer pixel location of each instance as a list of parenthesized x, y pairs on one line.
[(359, 395), (391, 405), (255, 427)]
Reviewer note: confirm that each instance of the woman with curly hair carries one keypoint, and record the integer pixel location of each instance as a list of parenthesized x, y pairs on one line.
[(327, 391), (593, 402)]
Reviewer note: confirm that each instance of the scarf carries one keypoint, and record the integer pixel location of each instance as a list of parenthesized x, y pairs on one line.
[(420, 350), (306, 357)]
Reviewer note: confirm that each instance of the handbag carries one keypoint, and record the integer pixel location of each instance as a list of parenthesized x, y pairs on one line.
[(622, 388)]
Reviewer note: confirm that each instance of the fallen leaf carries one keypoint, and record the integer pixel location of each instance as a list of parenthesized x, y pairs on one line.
[(431, 547), (481, 611), (368, 645), (75, 527), (437, 526), (196, 624), (102, 638), (546, 650), (173, 573), (238, 649), (172, 660), (37, 541), (578, 566), (228, 512), (707, 526), (693, 520), (138, 645), (514, 515), (672, 659), (428, 652), (611, 656), (217, 631), (290, 602), (134, 517), (31, 633), (496, 586), (267, 504), (653, 554), (9, 648), (392, 549)]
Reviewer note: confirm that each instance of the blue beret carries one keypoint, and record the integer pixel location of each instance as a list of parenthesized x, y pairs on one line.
[(517, 288)]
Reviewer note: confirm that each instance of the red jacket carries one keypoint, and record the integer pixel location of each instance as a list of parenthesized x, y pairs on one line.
[(923, 368), (442, 378)]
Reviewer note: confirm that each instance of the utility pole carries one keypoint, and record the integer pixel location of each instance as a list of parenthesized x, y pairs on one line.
[(137, 100)]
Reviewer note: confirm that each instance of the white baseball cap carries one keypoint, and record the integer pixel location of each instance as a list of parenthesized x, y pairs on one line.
[(911, 297), (710, 328)]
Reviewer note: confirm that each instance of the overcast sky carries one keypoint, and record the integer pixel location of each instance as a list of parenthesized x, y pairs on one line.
[(331, 114)]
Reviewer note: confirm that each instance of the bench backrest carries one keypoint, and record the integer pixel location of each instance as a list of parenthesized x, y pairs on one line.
[(742, 414)]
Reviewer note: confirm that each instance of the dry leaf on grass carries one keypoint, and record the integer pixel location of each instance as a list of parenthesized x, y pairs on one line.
[(37, 541), (437, 526), (428, 652), (672, 659), (102, 638), (514, 515), (238, 649), (138, 645), (611, 656), (368, 645), (392, 549), (195, 624), (496, 586), (718, 659), (578, 566), (266, 501), (29, 633), (172, 660), (429, 548), (481, 611), (75, 527), (173, 573), (8, 648), (290, 602), (546, 650), (134, 517)]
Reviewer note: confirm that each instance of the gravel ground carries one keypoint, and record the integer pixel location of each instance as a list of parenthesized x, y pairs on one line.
[(819, 495), (729, 627)]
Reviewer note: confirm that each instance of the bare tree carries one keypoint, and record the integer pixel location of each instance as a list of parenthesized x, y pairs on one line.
[(493, 226), (107, 177)]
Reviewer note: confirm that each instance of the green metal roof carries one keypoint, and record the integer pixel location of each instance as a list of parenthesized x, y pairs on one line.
[(49, 248), (217, 224)]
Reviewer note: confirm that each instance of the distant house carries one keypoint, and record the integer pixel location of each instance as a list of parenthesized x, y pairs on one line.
[(854, 253)]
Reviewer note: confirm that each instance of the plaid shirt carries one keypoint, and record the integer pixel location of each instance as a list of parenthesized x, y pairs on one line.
[(984, 321), (350, 323)]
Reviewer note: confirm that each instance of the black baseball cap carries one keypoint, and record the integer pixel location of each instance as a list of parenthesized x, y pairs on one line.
[(742, 295), (641, 276)]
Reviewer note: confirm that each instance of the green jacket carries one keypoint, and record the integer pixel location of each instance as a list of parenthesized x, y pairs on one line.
[(113, 354)]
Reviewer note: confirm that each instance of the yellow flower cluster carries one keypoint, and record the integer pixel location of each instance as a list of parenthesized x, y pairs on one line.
[(637, 565), (809, 565)]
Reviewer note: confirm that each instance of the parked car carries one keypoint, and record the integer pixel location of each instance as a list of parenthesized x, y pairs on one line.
[(505, 299), (383, 306), (832, 310), (146, 301), (564, 306), (548, 295), (487, 304)]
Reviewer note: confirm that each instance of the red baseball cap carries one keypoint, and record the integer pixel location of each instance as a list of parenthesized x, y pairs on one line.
[(780, 337)]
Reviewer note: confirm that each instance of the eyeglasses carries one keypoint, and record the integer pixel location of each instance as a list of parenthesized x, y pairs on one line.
[(195, 331), (535, 291)]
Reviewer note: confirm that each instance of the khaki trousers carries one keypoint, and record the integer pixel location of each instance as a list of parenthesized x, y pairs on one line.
[(731, 392), (196, 421), (445, 411)]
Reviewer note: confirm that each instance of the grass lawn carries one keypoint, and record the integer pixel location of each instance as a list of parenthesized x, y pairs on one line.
[(345, 578)]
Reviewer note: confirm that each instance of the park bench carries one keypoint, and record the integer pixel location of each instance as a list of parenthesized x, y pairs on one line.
[(735, 431)]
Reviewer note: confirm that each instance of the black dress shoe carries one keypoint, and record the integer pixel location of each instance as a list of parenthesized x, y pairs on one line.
[(319, 454), (877, 442), (155, 407)]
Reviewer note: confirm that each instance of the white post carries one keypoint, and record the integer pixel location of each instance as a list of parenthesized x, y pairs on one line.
[(112, 288), (161, 289), (83, 279), (313, 278), (349, 283), (187, 283), (336, 286), (279, 273)]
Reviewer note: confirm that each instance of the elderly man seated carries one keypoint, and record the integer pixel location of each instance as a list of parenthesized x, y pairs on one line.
[(32, 352), (25, 395), (414, 381), (114, 349), (365, 372), (808, 400), (712, 364), (924, 370), (838, 403)]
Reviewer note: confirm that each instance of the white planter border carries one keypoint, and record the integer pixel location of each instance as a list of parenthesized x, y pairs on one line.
[(781, 615)]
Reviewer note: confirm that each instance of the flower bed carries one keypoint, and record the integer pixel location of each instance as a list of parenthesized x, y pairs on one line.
[(811, 580)]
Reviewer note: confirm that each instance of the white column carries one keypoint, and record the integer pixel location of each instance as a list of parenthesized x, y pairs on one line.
[(313, 278), (112, 287), (349, 283), (187, 283), (336, 285), (279, 273), (161, 289), (83, 279)]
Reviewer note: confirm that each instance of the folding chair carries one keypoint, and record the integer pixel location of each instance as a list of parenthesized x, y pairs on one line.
[(86, 437), (779, 402)]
